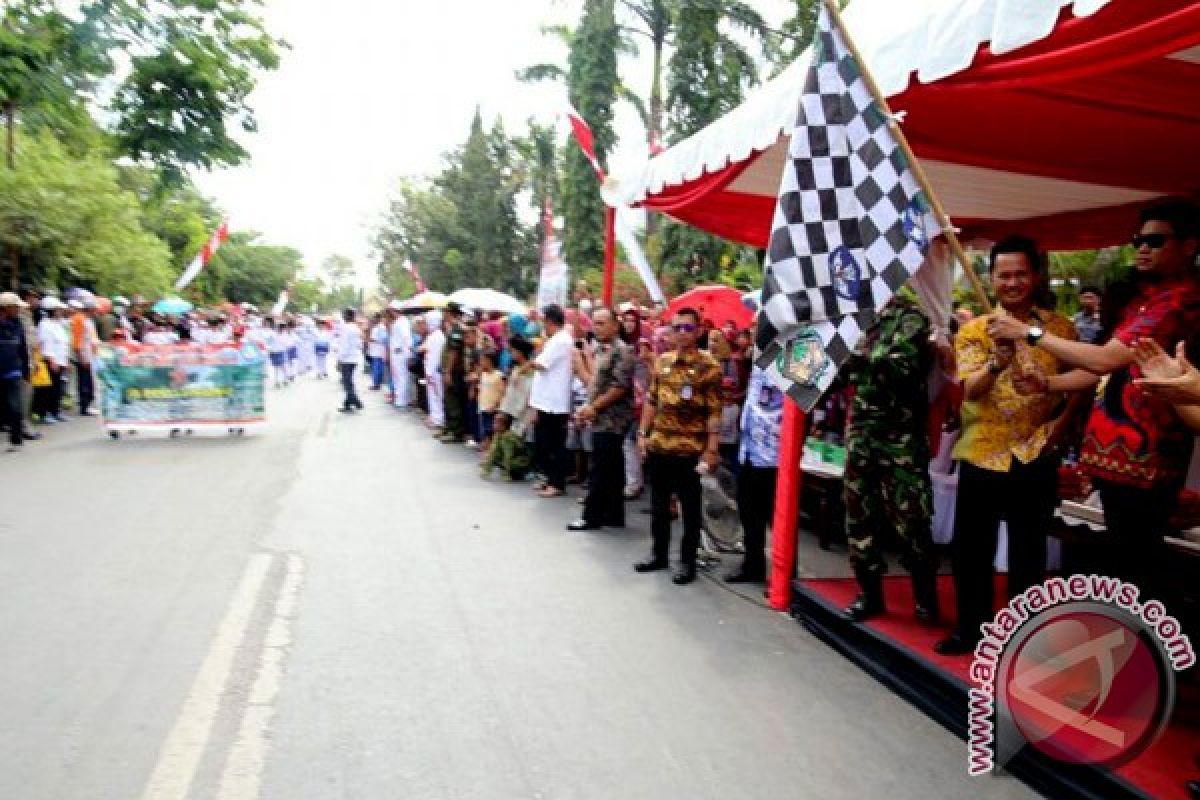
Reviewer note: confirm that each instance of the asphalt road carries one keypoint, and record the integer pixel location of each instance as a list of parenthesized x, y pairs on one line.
[(341, 608)]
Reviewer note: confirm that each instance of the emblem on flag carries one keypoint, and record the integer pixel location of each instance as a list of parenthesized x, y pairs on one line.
[(851, 225)]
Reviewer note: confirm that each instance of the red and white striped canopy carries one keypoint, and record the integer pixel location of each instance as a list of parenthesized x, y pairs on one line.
[(1049, 117)]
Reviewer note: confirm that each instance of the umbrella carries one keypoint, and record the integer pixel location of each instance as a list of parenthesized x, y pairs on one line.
[(488, 300), (424, 301), (171, 305), (717, 304)]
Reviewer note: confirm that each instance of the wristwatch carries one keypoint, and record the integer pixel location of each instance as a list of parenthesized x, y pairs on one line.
[(1034, 335)]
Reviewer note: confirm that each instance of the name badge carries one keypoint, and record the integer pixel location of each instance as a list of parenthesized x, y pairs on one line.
[(686, 392)]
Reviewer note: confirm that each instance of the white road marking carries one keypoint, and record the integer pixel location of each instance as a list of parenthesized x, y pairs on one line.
[(185, 744), (242, 777)]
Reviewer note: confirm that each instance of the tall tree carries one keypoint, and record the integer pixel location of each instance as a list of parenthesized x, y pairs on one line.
[(182, 69), (592, 89), (75, 224), (253, 272), (708, 74)]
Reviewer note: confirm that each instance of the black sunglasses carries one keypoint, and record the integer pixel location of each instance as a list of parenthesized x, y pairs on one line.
[(1152, 240), (683, 327)]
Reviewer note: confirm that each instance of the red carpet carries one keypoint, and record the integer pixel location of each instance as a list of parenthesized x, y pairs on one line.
[(1160, 772)]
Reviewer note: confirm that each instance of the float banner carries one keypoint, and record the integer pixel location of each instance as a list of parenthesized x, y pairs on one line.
[(197, 384)]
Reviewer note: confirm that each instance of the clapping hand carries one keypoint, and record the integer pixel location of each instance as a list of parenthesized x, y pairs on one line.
[(1173, 379)]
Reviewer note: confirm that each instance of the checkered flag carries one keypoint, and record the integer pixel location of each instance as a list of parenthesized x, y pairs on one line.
[(851, 226)]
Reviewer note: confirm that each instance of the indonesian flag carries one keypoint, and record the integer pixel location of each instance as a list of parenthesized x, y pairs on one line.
[(411, 269), (204, 256), (281, 303), (587, 143)]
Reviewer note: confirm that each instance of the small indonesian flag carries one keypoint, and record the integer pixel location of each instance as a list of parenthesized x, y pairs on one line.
[(411, 269), (204, 256), (587, 143)]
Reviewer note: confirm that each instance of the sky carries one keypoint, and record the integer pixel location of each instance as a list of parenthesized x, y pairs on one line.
[(375, 90)]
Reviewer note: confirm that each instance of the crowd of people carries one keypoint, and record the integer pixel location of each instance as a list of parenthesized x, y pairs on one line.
[(612, 399), (622, 399)]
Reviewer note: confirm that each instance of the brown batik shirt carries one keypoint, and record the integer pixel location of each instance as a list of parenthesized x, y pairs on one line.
[(685, 388)]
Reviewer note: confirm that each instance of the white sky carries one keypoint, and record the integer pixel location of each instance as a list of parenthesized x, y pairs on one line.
[(373, 90)]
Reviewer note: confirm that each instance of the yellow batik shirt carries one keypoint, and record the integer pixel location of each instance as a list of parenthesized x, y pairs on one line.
[(686, 391), (1004, 423)]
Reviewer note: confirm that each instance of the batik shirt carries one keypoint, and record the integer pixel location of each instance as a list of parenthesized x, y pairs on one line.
[(614, 368), (1005, 424), (1133, 437), (686, 390)]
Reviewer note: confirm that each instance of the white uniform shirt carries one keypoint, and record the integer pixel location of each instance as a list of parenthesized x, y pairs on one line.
[(377, 347), (401, 339), (349, 344), (54, 341), (434, 344), (552, 385)]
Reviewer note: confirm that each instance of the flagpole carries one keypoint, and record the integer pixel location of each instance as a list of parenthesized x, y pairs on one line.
[(918, 170)]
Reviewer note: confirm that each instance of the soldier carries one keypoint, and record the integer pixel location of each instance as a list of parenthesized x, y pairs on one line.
[(454, 378), (887, 485)]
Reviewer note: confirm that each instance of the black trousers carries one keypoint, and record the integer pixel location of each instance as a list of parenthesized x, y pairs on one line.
[(1025, 498), (47, 400), (605, 501), (550, 442), (351, 400), (1136, 522), (674, 475), (11, 409), (756, 506), (85, 385)]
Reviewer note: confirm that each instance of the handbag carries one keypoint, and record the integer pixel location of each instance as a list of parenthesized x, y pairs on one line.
[(40, 378)]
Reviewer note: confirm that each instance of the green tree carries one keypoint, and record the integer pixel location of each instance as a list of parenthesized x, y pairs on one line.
[(193, 64), (252, 272), (72, 223), (338, 270), (592, 83)]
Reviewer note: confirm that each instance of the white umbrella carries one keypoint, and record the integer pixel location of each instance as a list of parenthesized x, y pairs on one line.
[(488, 300)]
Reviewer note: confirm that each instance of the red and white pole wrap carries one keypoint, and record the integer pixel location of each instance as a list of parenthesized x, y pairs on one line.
[(219, 237)]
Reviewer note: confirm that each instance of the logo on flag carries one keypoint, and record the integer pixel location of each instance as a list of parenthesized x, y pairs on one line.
[(850, 228)]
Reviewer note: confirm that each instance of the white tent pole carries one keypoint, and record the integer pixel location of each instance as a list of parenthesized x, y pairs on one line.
[(918, 171)]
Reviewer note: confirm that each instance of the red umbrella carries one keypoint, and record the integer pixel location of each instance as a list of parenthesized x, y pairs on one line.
[(718, 304)]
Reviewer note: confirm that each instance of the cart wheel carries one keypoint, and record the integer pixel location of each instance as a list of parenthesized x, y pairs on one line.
[(241, 431), (188, 432), (174, 432), (114, 434)]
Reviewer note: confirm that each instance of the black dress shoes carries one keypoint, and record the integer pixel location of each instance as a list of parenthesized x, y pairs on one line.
[(955, 645), (684, 576), (653, 565), (582, 525)]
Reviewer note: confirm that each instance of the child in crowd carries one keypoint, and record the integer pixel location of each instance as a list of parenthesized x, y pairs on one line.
[(277, 351), (491, 392), (321, 346), (508, 452), (292, 342)]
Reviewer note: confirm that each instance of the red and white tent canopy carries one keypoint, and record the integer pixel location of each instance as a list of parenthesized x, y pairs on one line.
[(1051, 117)]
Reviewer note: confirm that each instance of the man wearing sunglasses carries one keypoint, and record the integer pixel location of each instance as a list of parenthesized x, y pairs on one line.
[(680, 426), (1136, 449)]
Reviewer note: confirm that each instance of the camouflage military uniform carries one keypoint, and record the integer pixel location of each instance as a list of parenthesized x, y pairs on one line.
[(887, 485), (456, 392)]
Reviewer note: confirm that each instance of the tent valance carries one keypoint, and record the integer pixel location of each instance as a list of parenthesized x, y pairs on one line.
[(1055, 117)]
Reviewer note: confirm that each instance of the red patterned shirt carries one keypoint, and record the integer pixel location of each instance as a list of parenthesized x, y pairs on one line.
[(1132, 436)]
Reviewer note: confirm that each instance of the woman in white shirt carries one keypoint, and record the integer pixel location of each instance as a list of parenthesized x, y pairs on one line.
[(54, 342)]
